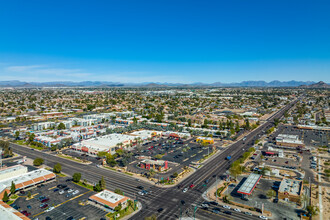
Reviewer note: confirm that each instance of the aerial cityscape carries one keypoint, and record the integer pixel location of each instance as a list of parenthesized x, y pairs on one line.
[(157, 110)]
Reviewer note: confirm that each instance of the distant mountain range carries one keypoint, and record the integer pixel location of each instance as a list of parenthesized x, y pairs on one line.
[(104, 84)]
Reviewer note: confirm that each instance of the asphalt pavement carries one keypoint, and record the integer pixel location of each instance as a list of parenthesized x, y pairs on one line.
[(167, 198)]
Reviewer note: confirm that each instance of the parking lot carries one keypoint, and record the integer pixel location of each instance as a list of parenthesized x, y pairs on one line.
[(175, 150), (311, 138), (58, 200), (178, 152), (258, 198)]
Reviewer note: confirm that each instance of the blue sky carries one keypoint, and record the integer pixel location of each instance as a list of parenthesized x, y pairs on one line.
[(165, 41)]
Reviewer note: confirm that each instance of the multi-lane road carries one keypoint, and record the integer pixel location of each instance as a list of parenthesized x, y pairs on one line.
[(169, 199)]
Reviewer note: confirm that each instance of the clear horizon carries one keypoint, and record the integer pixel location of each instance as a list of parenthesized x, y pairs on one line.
[(172, 41)]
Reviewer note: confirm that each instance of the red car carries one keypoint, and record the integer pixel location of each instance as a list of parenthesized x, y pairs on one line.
[(45, 200), (44, 206), (192, 185)]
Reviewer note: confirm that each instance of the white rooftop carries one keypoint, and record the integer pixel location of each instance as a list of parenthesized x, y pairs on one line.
[(249, 184), (8, 213), (290, 186), (12, 168), (24, 177), (105, 142), (109, 196)]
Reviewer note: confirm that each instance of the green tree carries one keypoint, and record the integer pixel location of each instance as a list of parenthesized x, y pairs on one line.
[(118, 207), (102, 183), (57, 168), (5, 197), (12, 188), (76, 177), (102, 154), (16, 134), (61, 126), (270, 193), (175, 175), (53, 148), (118, 191), (29, 194), (31, 138), (247, 124), (38, 161), (97, 188), (312, 210)]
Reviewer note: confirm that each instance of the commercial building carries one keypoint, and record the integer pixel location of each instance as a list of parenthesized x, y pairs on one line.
[(159, 165), (23, 179), (290, 190), (108, 143), (9, 172), (249, 184), (289, 140), (9, 213), (108, 199), (145, 134), (205, 140)]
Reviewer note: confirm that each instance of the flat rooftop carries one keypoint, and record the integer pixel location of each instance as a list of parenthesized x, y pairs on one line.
[(9, 213), (290, 186), (109, 198), (12, 169), (27, 179), (105, 142), (249, 184)]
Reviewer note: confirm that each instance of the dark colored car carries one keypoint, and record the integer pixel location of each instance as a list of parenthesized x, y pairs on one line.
[(48, 218), (44, 206), (160, 209), (45, 200), (140, 187), (227, 212), (57, 189)]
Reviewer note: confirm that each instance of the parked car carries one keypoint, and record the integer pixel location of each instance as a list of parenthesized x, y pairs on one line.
[(45, 200), (61, 192), (247, 213), (263, 217), (75, 192), (227, 212), (185, 190), (57, 189), (226, 207), (70, 190), (237, 210)]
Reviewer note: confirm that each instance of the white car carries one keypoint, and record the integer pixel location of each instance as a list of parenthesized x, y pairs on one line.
[(75, 192), (247, 213), (226, 207), (205, 205), (50, 209), (237, 210), (263, 217), (185, 190), (70, 190), (141, 193), (61, 192)]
